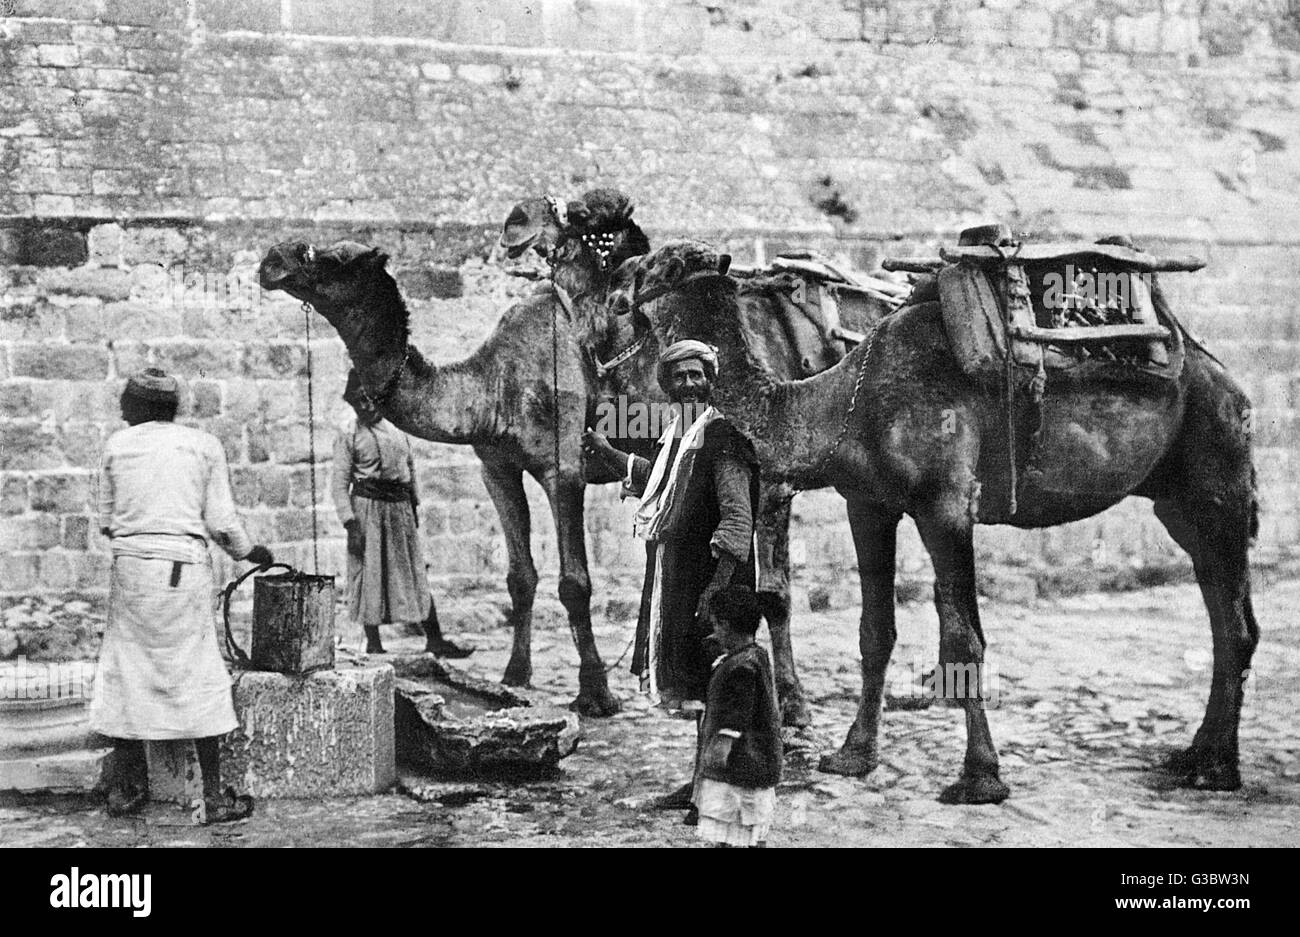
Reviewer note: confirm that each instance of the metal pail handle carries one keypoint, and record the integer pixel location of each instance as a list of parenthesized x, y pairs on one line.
[(235, 651)]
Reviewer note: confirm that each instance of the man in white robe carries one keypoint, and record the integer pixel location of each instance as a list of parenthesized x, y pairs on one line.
[(164, 491)]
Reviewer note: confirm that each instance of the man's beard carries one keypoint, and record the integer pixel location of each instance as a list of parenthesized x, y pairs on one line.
[(698, 397)]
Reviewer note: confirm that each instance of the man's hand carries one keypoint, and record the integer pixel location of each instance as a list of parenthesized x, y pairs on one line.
[(356, 539), (260, 556), (721, 579), (597, 446), (703, 613)]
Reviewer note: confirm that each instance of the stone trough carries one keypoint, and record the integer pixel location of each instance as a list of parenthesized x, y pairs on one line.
[(452, 724)]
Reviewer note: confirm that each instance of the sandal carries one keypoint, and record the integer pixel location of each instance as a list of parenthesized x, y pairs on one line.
[(235, 807), (680, 799), (127, 801), (444, 648)]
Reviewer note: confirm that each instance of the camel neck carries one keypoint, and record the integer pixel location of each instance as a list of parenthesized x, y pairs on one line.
[(577, 280), (450, 403), (794, 425)]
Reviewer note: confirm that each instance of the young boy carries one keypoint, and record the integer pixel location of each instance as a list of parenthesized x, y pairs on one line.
[(740, 762)]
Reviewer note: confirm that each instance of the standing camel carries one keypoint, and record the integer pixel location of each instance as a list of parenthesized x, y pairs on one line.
[(585, 242), (502, 400), (564, 235), (898, 429)]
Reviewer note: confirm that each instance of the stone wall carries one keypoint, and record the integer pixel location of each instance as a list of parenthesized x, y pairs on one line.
[(150, 150)]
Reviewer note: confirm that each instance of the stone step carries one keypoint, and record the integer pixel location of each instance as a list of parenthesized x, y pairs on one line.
[(61, 772)]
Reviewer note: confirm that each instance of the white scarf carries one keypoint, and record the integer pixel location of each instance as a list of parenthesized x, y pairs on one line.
[(656, 504)]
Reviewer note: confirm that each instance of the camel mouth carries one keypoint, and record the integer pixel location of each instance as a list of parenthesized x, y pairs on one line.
[(517, 250), (281, 265)]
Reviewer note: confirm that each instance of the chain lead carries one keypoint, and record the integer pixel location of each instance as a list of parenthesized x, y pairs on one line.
[(311, 444)]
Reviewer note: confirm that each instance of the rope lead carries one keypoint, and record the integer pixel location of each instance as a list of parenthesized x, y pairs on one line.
[(311, 445)]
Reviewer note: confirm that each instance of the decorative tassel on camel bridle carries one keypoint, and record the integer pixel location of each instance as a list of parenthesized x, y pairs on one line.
[(601, 246)]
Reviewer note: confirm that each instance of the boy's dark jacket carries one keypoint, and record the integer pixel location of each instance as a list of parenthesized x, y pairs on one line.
[(742, 696)]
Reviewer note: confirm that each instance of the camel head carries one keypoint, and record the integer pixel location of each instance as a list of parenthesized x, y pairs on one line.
[(595, 233), (683, 290), (347, 283)]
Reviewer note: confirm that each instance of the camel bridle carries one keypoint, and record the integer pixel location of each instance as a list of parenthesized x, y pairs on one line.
[(376, 398), (386, 389)]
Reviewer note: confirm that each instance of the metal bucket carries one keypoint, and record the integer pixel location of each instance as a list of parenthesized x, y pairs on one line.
[(293, 622)]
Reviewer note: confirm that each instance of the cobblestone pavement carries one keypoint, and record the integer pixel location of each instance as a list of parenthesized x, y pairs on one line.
[(1091, 692)]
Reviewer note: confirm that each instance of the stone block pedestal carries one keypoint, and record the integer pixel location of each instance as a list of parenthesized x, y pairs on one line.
[(328, 734), (75, 772)]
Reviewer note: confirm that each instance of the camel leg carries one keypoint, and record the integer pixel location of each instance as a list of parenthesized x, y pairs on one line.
[(773, 534), (961, 655), (875, 530), (505, 485), (566, 497), (1216, 535)]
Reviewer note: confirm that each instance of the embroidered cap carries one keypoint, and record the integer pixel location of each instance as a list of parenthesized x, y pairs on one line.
[(154, 384)]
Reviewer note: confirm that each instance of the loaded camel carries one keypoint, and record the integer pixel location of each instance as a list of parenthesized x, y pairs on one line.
[(897, 428)]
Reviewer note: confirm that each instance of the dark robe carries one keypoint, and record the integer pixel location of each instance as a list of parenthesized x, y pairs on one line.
[(688, 562)]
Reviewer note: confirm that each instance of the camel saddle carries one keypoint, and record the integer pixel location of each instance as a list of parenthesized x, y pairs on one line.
[(1086, 310), (821, 311)]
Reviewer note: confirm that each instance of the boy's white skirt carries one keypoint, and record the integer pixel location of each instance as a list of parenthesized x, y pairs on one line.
[(737, 816)]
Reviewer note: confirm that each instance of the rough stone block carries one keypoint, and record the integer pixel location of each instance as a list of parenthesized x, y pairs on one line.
[(326, 734), (13, 495), (58, 56), (601, 25), (75, 772), (504, 22), (104, 282), (83, 444), (174, 773), (330, 18), (256, 15), (30, 532), (104, 245), (61, 493), (154, 13), (53, 247), (19, 573), (413, 18), (76, 532), (198, 359), (60, 362)]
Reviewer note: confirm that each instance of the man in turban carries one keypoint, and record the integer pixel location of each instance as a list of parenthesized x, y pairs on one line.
[(699, 495), (164, 491), (375, 495)]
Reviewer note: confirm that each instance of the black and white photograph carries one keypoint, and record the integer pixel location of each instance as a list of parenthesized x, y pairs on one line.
[(653, 424)]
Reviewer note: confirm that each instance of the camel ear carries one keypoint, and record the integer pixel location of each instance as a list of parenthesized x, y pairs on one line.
[(578, 212), (724, 263), (675, 267)]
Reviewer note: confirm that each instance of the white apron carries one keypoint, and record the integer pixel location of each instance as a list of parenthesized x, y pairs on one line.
[(160, 673)]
